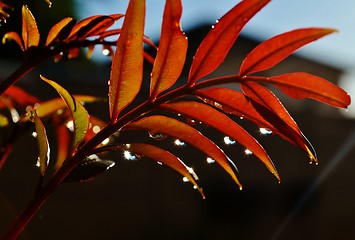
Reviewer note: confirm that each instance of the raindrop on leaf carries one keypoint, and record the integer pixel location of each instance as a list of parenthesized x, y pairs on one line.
[(157, 136), (248, 152), (229, 141), (265, 131), (210, 160), (179, 143)]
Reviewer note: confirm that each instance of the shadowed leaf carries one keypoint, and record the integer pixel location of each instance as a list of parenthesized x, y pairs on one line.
[(186, 133), (276, 49), (220, 39), (61, 30), (127, 65), (43, 145), (63, 143), (30, 34), (210, 116), (13, 36), (4, 121), (270, 107), (79, 114), (172, 49)]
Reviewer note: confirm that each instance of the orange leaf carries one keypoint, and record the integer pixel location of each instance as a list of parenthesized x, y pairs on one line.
[(276, 49), (63, 27), (166, 158), (63, 142), (19, 96), (304, 85), (219, 40), (30, 34), (172, 49), (186, 133), (14, 37), (274, 112), (95, 27), (210, 116), (127, 65)]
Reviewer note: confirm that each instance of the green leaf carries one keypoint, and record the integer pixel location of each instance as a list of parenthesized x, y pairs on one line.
[(127, 65), (43, 144), (171, 54), (210, 116), (79, 113), (186, 133)]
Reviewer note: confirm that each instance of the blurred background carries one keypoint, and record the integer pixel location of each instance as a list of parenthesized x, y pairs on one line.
[(143, 200)]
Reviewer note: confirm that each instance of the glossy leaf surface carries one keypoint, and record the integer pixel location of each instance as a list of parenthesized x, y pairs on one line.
[(127, 65), (219, 40), (172, 49), (79, 114), (43, 145), (210, 116), (277, 114), (276, 49), (162, 156), (186, 133), (30, 34), (304, 85), (63, 27)]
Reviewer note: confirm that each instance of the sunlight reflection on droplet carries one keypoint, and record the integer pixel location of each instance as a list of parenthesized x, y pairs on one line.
[(96, 129), (185, 179), (106, 141), (38, 163), (229, 141), (210, 160), (34, 134), (179, 143), (70, 126), (106, 52), (248, 152), (157, 136), (195, 187), (129, 156), (265, 131), (160, 163)]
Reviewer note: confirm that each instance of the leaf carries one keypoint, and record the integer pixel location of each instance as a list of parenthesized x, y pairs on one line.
[(162, 156), (171, 54), (45, 109), (61, 30), (127, 65), (30, 34), (221, 37), (13, 36), (304, 85), (186, 133), (79, 114), (20, 97), (43, 145), (89, 169), (210, 116), (95, 27), (4, 121), (63, 143), (272, 51), (278, 115)]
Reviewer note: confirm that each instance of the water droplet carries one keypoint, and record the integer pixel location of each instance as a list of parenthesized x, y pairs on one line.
[(217, 21), (265, 131), (157, 136), (96, 129), (70, 126), (185, 179), (106, 141), (241, 117), (179, 115), (109, 82), (160, 163), (210, 160), (106, 52), (38, 163), (191, 170), (129, 156), (34, 134), (229, 141), (212, 26), (248, 152), (191, 122), (195, 187), (179, 143)]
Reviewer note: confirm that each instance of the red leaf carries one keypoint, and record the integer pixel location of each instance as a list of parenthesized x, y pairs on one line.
[(63, 142), (20, 97), (30, 34), (210, 116), (277, 115), (127, 65), (95, 27), (63, 27), (304, 85), (166, 158), (221, 37), (276, 49), (14, 37), (172, 49), (186, 133)]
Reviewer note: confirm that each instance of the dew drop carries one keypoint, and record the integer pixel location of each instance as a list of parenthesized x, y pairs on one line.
[(248, 152), (212, 26), (210, 160), (34, 134), (160, 163), (129, 156), (157, 136), (106, 141), (179, 143), (109, 82), (195, 187), (191, 122), (70, 126), (185, 179), (106, 52), (38, 163), (265, 131), (96, 129), (241, 117), (217, 21), (229, 141)]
